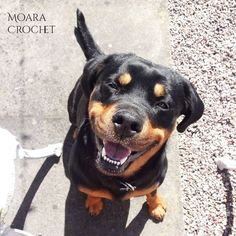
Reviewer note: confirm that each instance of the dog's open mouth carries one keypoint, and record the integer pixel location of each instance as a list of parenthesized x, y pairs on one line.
[(114, 158), (115, 153)]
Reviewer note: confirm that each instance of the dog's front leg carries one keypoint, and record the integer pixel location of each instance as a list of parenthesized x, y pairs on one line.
[(156, 206), (94, 198), (94, 205)]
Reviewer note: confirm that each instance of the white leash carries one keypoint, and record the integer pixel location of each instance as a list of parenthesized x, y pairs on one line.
[(52, 149), (10, 150)]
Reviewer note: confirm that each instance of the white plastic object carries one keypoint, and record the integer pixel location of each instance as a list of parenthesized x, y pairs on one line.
[(10, 149), (7, 231), (224, 163)]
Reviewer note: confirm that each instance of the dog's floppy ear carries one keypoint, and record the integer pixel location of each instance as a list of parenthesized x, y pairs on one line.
[(91, 72), (193, 106), (78, 99)]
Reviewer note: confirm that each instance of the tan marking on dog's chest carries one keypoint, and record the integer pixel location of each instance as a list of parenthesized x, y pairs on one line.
[(102, 193)]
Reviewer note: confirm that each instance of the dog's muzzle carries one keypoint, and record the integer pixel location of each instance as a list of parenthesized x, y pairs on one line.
[(127, 124)]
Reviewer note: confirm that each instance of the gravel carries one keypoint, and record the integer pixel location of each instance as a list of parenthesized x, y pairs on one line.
[(203, 35)]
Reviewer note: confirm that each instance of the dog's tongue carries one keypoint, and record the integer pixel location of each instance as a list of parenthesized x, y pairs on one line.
[(116, 151)]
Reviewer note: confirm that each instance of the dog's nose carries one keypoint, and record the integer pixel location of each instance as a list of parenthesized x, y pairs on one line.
[(126, 124)]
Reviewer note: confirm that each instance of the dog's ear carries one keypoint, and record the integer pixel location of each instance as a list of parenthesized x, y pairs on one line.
[(91, 72), (78, 99), (193, 106)]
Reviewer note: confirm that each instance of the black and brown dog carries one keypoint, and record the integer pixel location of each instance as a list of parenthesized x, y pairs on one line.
[(123, 109)]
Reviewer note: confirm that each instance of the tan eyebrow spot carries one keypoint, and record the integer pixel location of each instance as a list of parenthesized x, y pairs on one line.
[(125, 79), (159, 90)]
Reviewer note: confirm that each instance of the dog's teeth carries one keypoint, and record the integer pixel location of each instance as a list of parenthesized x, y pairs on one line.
[(106, 158), (123, 160), (118, 163), (103, 152)]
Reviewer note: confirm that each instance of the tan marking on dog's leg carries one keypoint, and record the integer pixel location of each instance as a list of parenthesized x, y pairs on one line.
[(94, 205), (156, 206), (96, 193)]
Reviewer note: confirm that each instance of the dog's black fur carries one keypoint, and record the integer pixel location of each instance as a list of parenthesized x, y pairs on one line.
[(134, 101)]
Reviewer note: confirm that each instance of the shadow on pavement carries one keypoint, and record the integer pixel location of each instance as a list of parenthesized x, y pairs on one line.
[(19, 220), (111, 221), (229, 202)]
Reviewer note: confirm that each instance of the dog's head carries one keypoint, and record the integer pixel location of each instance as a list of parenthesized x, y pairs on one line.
[(132, 106)]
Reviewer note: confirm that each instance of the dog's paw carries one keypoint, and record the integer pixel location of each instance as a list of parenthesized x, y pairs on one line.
[(94, 205), (156, 207), (95, 209), (158, 213)]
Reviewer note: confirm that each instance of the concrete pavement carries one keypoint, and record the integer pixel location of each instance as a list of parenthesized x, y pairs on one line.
[(37, 73)]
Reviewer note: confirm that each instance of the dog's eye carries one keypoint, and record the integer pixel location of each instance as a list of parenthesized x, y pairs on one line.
[(162, 105), (113, 85)]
